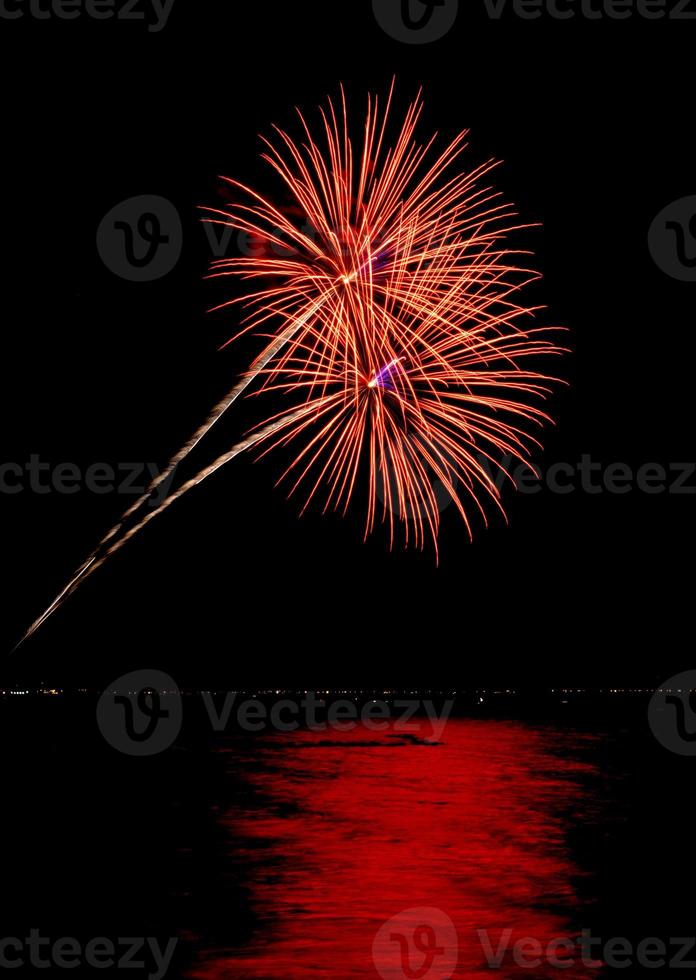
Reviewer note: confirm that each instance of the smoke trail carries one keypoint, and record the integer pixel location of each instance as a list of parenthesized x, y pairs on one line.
[(88, 566), (96, 560)]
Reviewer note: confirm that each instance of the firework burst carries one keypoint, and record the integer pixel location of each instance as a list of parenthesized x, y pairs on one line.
[(398, 304), (395, 342)]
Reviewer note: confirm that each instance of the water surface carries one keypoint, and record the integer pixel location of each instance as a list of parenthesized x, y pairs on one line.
[(337, 833)]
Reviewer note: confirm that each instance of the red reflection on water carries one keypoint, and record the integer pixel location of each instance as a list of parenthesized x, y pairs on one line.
[(354, 834)]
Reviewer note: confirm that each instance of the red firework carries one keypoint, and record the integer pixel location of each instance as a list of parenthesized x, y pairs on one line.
[(402, 339), (394, 334)]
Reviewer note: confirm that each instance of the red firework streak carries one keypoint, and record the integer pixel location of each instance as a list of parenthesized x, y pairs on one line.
[(394, 336)]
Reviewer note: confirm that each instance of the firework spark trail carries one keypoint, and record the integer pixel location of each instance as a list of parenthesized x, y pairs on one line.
[(89, 566), (257, 367), (416, 357), (97, 560)]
